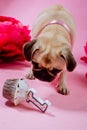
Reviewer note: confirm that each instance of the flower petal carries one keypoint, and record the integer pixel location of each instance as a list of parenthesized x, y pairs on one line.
[(13, 35)]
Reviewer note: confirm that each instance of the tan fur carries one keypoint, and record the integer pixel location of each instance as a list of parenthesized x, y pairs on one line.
[(56, 12), (54, 42)]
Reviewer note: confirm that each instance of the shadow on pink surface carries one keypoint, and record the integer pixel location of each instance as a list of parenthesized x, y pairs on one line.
[(23, 107), (14, 65), (77, 99)]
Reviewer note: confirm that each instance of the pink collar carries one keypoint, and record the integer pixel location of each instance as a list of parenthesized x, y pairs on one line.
[(60, 23)]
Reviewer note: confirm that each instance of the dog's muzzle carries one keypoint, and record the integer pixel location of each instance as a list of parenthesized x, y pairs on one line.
[(43, 74)]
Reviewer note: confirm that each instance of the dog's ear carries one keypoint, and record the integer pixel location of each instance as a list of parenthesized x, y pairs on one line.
[(69, 58), (28, 49)]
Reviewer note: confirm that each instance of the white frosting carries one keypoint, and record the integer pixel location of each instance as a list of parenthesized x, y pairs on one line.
[(21, 91)]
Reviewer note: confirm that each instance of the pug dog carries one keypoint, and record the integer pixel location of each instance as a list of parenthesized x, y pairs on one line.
[(50, 50)]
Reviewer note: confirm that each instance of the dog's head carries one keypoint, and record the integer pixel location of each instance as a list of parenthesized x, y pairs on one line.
[(48, 60)]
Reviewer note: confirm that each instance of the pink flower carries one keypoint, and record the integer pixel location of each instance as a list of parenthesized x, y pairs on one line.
[(13, 34), (84, 58)]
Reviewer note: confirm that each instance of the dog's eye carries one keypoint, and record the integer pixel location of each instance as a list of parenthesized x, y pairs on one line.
[(55, 71)]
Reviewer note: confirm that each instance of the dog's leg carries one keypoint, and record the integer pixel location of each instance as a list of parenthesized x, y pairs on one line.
[(30, 74), (62, 84)]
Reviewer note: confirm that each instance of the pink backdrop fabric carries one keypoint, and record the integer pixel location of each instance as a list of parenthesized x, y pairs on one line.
[(66, 112)]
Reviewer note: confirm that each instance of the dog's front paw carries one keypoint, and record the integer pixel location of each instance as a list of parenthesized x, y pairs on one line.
[(62, 89), (30, 76)]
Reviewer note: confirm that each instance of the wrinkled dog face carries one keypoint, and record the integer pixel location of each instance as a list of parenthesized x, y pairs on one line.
[(43, 73), (48, 62)]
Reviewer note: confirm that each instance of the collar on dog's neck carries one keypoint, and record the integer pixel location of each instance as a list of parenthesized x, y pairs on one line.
[(59, 23)]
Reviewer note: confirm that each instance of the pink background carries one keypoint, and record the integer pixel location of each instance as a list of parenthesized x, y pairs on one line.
[(66, 112)]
